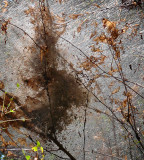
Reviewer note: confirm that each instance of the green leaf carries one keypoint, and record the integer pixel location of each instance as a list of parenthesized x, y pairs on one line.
[(23, 152), (12, 111), (18, 85), (11, 99), (27, 157), (38, 144), (41, 148), (8, 105), (35, 149), (136, 141)]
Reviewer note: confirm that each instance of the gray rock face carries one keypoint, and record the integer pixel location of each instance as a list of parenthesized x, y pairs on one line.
[(59, 92)]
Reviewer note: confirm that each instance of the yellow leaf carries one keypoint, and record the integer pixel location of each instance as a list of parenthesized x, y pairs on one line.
[(42, 150), (35, 149), (6, 4)]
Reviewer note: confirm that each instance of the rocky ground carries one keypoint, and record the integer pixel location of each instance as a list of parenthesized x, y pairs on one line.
[(78, 127)]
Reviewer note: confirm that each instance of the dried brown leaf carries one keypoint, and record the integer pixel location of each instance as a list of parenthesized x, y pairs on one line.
[(102, 59), (22, 141), (98, 89), (9, 154), (98, 111), (79, 29), (96, 5), (135, 87), (128, 94), (93, 49), (109, 24), (4, 143), (96, 76), (114, 70), (110, 73), (119, 67), (124, 104), (94, 23), (60, 1), (4, 26), (93, 34), (74, 16), (1, 85), (101, 38), (29, 11), (60, 19), (125, 157), (11, 143), (116, 90), (111, 84)]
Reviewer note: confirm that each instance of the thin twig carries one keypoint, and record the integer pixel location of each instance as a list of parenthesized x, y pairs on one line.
[(85, 121), (12, 120)]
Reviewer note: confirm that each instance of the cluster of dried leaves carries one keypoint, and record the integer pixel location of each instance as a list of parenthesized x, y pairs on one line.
[(96, 65)]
